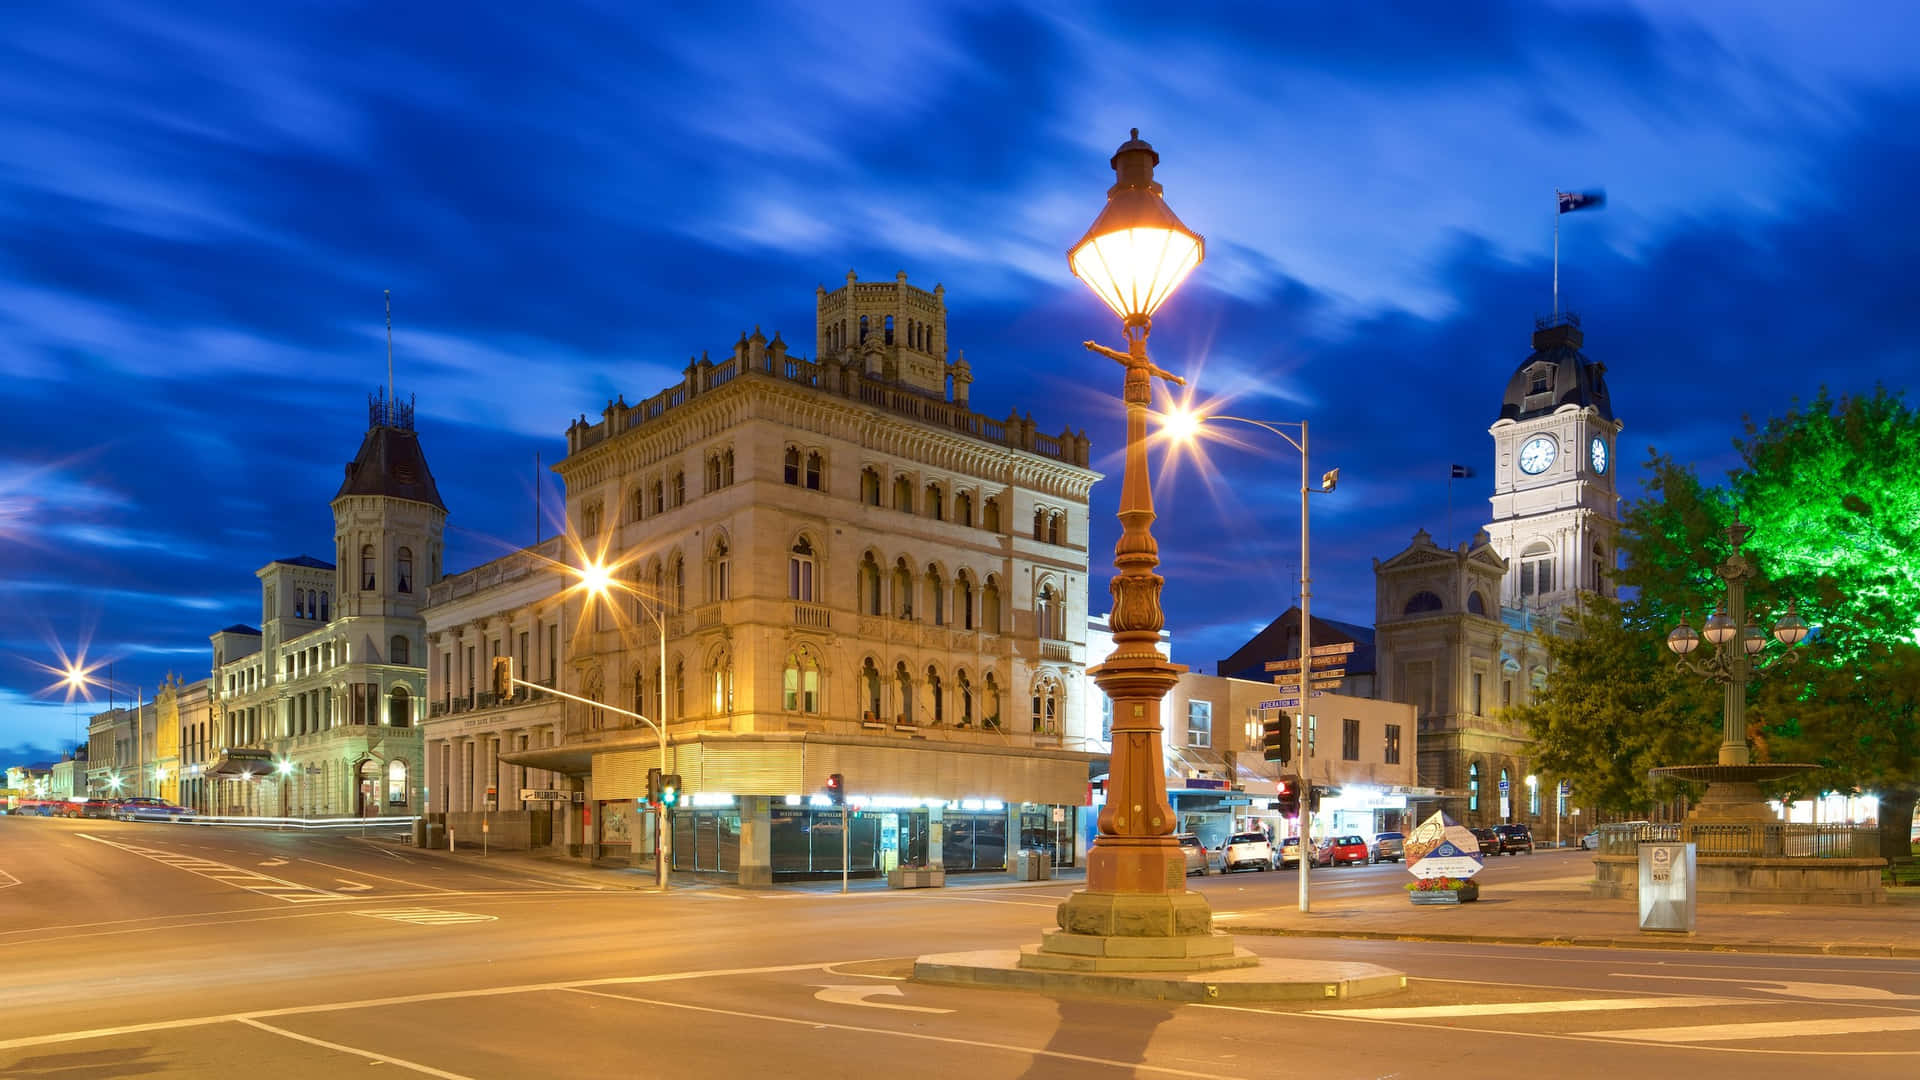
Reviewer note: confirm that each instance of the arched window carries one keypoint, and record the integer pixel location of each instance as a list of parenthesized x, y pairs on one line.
[(936, 596), (936, 695), (367, 564), (990, 515), (723, 683), (403, 570), (659, 496), (1473, 785), (903, 694), (936, 503), (719, 575), (1422, 602), (790, 470), (870, 585), (965, 689), (679, 582), (990, 708), (863, 329), (870, 487), (324, 612), (713, 472), (889, 330), (397, 782), (1536, 569), (1039, 524), (679, 688), (963, 599), (1599, 574), (903, 494), (640, 694), (399, 708), (815, 468), (1476, 605), (902, 589), (963, 509), (800, 572), (299, 603), (679, 488), (726, 467), (1044, 613), (639, 508), (1053, 528), (990, 605), (870, 689), (399, 651), (800, 689)]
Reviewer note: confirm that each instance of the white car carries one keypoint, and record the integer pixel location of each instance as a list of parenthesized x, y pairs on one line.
[(1247, 849)]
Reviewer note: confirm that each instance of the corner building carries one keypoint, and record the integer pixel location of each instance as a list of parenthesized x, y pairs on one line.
[(854, 572)]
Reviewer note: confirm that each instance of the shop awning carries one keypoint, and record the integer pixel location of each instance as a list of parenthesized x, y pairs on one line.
[(237, 764)]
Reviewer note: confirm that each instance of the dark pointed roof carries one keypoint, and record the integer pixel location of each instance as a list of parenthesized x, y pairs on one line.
[(241, 628), (1271, 643), (1571, 379), (307, 561), (391, 463)]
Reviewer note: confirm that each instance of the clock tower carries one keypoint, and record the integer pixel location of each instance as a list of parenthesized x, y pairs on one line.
[(1555, 505)]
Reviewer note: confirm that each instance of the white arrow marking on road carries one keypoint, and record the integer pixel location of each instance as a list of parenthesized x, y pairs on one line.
[(350, 886), (1817, 991), (274, 862), (858, 995)]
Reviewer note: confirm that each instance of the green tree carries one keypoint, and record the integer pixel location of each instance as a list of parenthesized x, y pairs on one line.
[(1833, 492)]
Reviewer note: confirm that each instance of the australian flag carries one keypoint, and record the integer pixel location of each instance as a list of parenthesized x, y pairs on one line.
[(1461, 472), (1581, 200)]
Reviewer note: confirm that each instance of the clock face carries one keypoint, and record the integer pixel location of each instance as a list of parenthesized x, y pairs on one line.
[(1537, 455), (1597, 451)]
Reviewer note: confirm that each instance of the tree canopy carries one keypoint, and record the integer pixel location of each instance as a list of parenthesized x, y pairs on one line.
[(1832, 490)]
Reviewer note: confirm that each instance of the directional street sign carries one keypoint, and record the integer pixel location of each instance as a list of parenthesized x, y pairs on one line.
[(1323, 656), (529, 794), (1293, 687)]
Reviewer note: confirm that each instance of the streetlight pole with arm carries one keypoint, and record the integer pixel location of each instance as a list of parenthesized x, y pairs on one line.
[(598, 582)]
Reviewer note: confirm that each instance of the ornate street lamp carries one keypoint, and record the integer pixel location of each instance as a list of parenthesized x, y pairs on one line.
[(1133, 257), (1735, 657)]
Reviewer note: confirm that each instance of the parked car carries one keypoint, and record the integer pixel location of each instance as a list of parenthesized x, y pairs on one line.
[(1591, 841), (147, 808), (1514, 838), (1196, 853), (1389, 846), (1290, 851), (1247, 849), (1335, 850), (1489, 840), (96, 808)]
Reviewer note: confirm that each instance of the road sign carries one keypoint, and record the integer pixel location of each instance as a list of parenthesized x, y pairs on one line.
[(528, 794), (1504, 786), (1322, 655), (1294, 686)]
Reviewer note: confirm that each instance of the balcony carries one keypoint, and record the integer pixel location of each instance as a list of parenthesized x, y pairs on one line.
[(812, 616)]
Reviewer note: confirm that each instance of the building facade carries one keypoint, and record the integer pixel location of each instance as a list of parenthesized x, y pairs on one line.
[(853, 573), (317, 712)]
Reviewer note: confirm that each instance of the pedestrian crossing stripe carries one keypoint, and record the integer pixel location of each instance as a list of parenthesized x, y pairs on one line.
[(426, 916), (1502, 1008), (1774, 1029), (252, 881)]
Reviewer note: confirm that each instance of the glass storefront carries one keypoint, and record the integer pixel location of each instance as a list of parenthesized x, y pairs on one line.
[(807, 842), (1048, 829), (974, 841), (707, 840)]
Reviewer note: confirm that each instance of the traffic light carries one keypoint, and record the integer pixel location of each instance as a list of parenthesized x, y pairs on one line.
[(653, 785), (837, 790), (502, 678), (1276, 739), (670, 789), (1288, 802), (1313, 801)]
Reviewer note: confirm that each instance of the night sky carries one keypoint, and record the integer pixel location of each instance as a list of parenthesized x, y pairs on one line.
[(201, 205)]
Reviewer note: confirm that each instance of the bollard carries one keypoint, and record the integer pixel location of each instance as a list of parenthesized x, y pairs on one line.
[(449, 839)]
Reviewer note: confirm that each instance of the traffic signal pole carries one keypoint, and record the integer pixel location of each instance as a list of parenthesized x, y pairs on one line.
[(1306, 685)]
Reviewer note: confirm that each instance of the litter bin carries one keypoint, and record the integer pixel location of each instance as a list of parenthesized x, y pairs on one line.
[(1032, 866)]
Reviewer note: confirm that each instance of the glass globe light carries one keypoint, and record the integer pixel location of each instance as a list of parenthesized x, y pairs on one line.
[(1791, 630), (1753, 639), (1720, 627), (1684, 638)]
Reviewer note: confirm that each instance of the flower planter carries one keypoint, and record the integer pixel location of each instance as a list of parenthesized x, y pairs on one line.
[(1465, 894), (905, 877)]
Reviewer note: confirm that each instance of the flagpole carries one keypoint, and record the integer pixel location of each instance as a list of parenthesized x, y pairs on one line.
[(1556, 253), (1448, 543)]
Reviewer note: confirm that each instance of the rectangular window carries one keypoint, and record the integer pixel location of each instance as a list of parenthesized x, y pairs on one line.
[(1506, 693), (1477, 680), (1349, 740), (553, 654), (1533, 799), (1199, 723), (1393, 744), (1313, 743)]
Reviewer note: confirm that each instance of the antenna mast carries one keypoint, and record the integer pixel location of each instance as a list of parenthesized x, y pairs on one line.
[(389, 293)]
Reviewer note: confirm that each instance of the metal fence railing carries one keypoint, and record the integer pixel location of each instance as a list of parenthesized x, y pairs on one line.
[(1767, 840)]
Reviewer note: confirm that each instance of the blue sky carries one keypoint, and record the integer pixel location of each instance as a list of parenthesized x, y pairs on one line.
[(201, 204)]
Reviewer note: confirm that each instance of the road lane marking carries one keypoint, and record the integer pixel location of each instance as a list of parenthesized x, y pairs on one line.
[(858, 995), (426, 916), (1771, 1029), (8, 881), (1131, 1067), (384, 877), (351, 886), (253, 881), (377, 1058), (1506, 1008), (1816, 991)]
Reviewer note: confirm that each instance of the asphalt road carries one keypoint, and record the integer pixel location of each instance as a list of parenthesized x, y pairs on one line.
[(151, 950)]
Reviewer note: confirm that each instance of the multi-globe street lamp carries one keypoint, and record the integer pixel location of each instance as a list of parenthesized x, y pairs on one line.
[(1735, 658), (1184, 426), (1135, 254)]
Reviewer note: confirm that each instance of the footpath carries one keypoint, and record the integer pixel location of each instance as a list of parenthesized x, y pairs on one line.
[(1559, 911), (1553, 911)]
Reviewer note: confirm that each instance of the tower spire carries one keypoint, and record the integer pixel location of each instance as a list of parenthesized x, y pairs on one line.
[(390, 396)]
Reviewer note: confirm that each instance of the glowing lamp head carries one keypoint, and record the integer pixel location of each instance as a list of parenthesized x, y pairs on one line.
[(596, 578), (285, 768), (1137, 251), (1753, 639), (1791, 630), (1720, 626), (1684, 638), (1181, 425)]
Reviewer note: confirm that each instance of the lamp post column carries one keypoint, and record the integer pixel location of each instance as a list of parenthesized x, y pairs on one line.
[(1306, 687), (1733, 712), (1134, 851)]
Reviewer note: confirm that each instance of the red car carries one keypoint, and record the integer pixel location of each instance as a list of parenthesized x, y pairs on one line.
[(1335, 850)]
